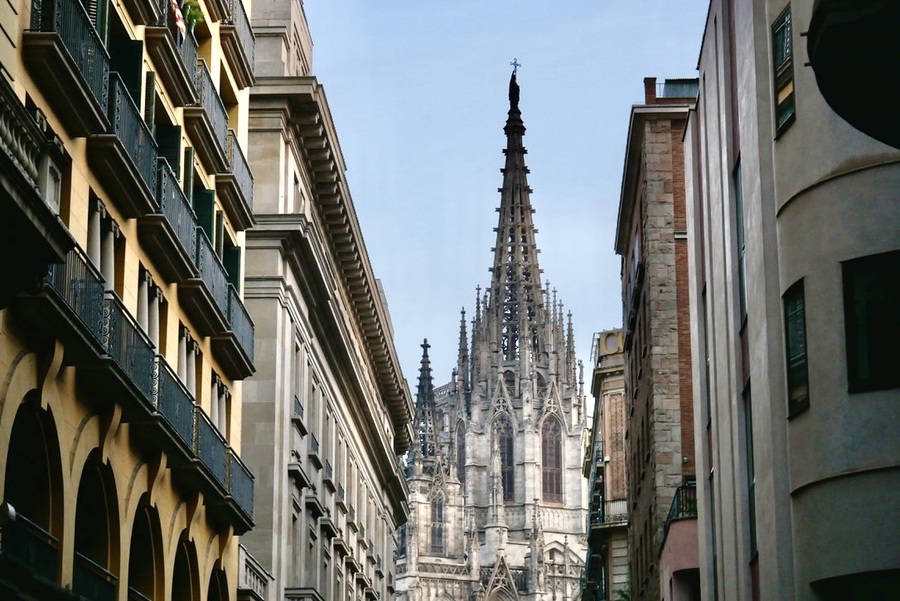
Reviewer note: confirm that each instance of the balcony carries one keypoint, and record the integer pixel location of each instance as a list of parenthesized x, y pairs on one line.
[(684, 506), (29, 557), (176, 406), (340, 546), (361, 537), (240, 483), (218, 9), (65, 56), (145, 12), (352, 564), (207, 121), (239, 44), (363, 580), (609, 513), (205, 298), (313, 504), (175, 62), (328, 528), (370, 551), (169, 235), (297, 416), (253, 579), (124, 158), (234, 347), (30, 172), (351, 519), (297, 473), (210, 447), (340, 501), (92, 581), (235, 187), (313, 452), (379, 566), (328, 476)]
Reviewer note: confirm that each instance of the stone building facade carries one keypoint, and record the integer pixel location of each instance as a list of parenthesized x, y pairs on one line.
[(497, 500), (605, 466), (329, 411), (794, 259), (651, 238), (124, 340)]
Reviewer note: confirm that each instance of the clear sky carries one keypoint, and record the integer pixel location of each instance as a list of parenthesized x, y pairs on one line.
[(418, 92)]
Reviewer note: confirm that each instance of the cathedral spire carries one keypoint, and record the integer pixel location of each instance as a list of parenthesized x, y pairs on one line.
[(425, 447), (516, 296)]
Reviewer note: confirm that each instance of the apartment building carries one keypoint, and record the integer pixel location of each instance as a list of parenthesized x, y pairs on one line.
[(328, 412), (123, 334), (606, 567), (794, 255), (651, 238)]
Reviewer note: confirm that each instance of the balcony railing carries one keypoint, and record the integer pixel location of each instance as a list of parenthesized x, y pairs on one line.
[(211, 102), (81, 287), (684, 506), (240, 483), (240, 321), (187, 49), (29, 544), (175, 404), (93, 581), (252, 576), (72, 24), (241, 24), (610, 512), (212, 272), (239, 166), (175, 206), (210, 447), (313, 453), (128, 345), (137, 139)]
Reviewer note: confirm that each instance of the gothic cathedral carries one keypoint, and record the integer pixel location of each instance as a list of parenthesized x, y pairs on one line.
[(498, 504)]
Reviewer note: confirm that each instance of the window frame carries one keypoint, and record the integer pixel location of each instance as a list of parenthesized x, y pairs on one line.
[(799, 367), (783, 71)]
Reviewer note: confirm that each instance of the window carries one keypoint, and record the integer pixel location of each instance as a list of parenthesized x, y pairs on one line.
[(741, 240), (795, 348), (783, 70), (872, 320), (551, 459), (461, 453), (751, 470), (437, 524), (506, 441)]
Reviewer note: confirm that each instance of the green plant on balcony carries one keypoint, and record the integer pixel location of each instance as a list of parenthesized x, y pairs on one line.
[(192, 14), (622, 594)]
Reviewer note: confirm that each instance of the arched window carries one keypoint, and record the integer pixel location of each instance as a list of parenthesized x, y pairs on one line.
[(506, 441), (551, 459), (437, 524), (461, 453), (401, 541)]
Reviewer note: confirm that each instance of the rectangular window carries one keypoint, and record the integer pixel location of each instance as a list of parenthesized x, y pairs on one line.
[(872, 321), (795, 348), (783, 70), (741, 240), (751, 471)]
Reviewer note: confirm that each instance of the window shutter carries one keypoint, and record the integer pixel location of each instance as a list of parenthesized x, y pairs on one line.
[(125, 57), (168, 141), (150, 101), (220, 233), (205, 208), (188, 181), (232, 261)]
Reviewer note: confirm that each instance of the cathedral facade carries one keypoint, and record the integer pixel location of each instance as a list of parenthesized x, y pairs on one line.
[(497, 500)]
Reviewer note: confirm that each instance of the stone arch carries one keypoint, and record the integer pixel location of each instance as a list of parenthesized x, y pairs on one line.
[(146, 572), (97, 528), (503, 430), (217, 590), (185, 573), (460, 449), (552, 459)]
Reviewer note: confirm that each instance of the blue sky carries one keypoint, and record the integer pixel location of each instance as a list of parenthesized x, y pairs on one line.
[(418, 92)]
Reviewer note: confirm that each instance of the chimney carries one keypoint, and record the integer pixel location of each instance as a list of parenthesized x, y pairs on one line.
[(649, 90)]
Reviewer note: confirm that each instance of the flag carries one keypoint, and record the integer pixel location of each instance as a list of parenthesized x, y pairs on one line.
[(179, 22)]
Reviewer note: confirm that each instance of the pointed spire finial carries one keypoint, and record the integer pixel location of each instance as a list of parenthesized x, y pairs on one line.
[(514, 87)]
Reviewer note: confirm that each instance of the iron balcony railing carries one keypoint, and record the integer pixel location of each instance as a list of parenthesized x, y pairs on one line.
[(210, 447), (70, 21), (92, 581), (211, 102), (127, 344), (240, 483), (32, 546), (187, 50), (81, 287), (240, 321), (239, 165), (341, 495), (684, 505), (211, 271), (313, 444), (176, 208), (610, 512), (351, 514), (126, 122), (175, 404), (241, 23), (329, 471)]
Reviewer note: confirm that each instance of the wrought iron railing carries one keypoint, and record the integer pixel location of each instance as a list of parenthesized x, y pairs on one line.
[(210, 447), (211, 271), (31, 545), (175, 404), (127, 344), (610, 512), (313, 444), (211, 102), (70, 20), (240, 482), (176, 208), (684, 505), (240, 321), (241, 23), (239, 165), (92, 581), (126, 122), (188, 52), (81, 287)]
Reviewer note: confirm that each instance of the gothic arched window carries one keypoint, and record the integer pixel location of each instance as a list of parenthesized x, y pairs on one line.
[(551, 460), (506, 441), (437, 524), (461, 453)]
